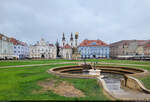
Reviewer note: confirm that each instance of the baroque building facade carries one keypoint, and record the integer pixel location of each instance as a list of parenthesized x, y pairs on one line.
[(43, 49), (127, 48), (147, 49), (6, 47), (21, 49), (93, 49)]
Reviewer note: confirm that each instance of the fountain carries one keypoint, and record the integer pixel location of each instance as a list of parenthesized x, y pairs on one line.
[(127, 89), (91, 69)]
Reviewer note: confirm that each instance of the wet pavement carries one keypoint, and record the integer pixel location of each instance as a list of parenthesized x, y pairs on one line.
[(113, 84)]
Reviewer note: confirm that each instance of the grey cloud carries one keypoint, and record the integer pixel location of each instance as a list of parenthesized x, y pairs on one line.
[(108, 20)]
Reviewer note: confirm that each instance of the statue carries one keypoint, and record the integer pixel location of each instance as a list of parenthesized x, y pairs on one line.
[(91, 69), (86, 66)]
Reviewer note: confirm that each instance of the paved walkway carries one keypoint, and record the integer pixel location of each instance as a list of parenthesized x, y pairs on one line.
[(35, 65), (123, 64), (114, 86), (126, 94), (69, 63)]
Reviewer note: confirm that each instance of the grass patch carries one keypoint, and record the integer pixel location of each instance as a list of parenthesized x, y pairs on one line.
[(120, 61), (29, 62), (146, 81), (18, 84)]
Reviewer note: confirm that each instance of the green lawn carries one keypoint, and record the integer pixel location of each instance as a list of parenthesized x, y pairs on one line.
[(120, 61), (18, 84), (29, 62)]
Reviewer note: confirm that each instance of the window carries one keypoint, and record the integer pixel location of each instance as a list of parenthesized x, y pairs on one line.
[(93, 43)]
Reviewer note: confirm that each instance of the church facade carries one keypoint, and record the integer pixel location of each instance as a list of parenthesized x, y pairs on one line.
[(43, 49), (69, 50)]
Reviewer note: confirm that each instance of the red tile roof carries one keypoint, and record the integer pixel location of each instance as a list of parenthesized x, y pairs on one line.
[(93, 43), (14, 41), (126, 42), (2, 35), (142, 42), (17, 42), (67, 46)]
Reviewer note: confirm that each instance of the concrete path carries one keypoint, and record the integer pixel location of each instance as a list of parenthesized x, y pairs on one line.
[(35, 65), (123, 64), (126, 94), (114, 87), (117, 64)]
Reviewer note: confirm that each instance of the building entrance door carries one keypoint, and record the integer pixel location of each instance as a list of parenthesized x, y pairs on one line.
[(94, 56), (42, 56)]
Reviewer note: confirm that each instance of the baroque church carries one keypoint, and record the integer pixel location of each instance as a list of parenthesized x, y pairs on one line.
[(70, 50)]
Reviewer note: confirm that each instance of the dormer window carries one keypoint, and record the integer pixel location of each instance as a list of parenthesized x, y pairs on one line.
[(93, 43)]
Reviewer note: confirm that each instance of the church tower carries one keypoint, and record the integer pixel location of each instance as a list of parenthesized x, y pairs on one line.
[(63, 40), (71, 40)]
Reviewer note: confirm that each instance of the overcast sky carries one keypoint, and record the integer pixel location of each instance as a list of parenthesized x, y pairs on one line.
[(107, 20)]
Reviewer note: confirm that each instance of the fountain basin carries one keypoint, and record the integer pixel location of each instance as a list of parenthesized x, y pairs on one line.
[(76, 71), (94, 72), (111, 87)]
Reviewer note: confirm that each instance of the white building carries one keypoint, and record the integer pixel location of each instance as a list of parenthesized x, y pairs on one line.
[(67, 52), (21, 49), (6, 47), (43, 49)]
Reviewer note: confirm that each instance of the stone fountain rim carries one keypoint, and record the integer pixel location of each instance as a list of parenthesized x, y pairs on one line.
[(143, 71)]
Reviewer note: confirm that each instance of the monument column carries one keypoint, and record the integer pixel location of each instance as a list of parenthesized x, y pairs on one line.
[(76, 39)]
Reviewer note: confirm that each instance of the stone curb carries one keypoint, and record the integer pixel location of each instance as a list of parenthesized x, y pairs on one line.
[(140, 84)]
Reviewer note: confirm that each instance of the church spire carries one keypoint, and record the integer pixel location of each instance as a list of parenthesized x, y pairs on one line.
[(63, 39), (71, 40)]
